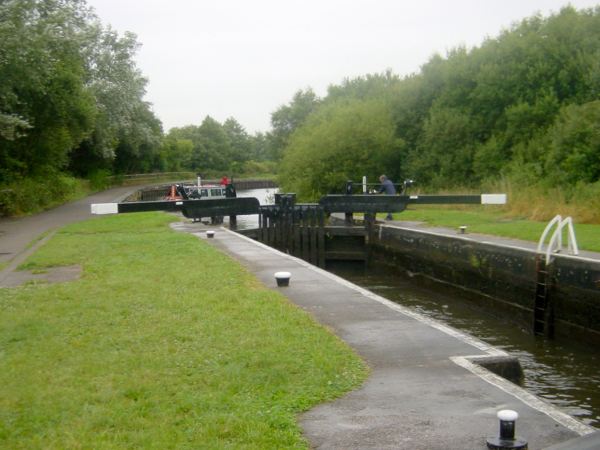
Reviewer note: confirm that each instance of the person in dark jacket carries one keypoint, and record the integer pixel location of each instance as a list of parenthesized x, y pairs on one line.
[(388, 188)]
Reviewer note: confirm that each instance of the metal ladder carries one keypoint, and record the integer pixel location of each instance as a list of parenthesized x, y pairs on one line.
[(542, 290), (543, 313)]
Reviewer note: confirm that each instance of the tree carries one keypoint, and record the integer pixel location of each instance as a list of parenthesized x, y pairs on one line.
[(343, 140), (125, 127), (260, 147), (214, 151), (489, 111), (378, 85), (139, 143), (289, 118), (241, 144), (445, 152), (175, 154), (574, 154), (70, 92), (45, 108)]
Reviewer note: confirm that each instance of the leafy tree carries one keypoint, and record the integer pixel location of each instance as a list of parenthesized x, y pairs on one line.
[(343, 140), (240, 142), (126, 130), (175, 154), (289, 118), (378, 85), (521, 142), (445, 152), (214, 149), (12, 126), (139, 143), (574, 154), (471, 115), (70, 93), (260, 147), (45, 108), (502, 99)]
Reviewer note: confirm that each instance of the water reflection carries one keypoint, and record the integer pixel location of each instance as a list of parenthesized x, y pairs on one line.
[(564, 374), (264, 196)]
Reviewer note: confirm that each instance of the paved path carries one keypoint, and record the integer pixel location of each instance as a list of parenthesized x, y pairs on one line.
[(424, 391)]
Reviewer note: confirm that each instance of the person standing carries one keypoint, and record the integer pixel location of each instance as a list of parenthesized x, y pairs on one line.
[(387, 188)]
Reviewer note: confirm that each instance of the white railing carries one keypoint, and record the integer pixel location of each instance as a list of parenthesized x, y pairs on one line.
[(555, 244)]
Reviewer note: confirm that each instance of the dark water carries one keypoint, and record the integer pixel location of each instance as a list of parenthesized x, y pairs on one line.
[(565, 374)]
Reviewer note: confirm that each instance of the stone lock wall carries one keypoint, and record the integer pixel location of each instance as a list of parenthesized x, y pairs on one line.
[(503, 274)]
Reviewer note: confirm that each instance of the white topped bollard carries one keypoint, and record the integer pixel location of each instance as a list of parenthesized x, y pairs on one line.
[(462, 229), (507, 439), (283, 278), (210, 234)]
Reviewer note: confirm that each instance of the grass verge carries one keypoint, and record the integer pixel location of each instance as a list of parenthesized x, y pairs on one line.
[(163, 343), (481, 219)]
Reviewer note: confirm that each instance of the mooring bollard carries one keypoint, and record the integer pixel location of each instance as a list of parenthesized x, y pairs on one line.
[(507, 440), (210, 234), (283, 278), (462, 229)]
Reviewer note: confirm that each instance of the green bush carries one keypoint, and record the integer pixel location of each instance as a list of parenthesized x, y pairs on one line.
[(100, 180), (34, 194)]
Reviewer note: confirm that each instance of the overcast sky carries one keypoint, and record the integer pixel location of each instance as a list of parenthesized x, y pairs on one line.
[(245, 58)]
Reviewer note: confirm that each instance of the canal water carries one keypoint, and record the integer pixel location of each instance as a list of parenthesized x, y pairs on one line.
[(563, 373), (264, 196)]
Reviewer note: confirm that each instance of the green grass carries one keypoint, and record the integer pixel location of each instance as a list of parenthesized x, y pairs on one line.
[(163, 343), (486, 221)]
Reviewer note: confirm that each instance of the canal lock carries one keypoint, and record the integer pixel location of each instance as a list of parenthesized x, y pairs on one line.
[(488, 293)]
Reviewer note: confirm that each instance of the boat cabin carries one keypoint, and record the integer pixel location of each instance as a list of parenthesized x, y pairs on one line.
[(210, 191)]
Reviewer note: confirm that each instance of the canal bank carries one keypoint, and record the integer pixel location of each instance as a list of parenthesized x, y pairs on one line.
[(426, 390), (564, 373), (505, 271)]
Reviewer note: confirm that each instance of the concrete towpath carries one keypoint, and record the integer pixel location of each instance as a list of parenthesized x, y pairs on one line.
[(425, 390)]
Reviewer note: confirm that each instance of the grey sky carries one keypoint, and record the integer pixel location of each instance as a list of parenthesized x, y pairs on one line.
[(246, 58)]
